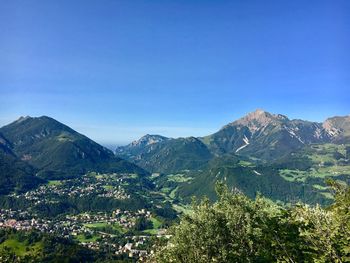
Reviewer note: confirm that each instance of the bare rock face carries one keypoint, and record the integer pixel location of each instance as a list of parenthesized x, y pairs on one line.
[(259, 119), (337, 125), (149, 139), (330, 128), (338, 128), (265, 135)]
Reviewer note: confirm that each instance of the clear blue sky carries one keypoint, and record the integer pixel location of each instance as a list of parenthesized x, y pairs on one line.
[(115, 70)]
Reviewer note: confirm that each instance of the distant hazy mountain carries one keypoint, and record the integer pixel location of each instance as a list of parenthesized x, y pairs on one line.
[(58, 151), (260, 135), (156, 153), (145, 143)]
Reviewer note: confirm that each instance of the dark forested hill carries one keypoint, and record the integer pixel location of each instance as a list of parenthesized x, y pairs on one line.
[(58, 151), (251, 179), (15, 174)]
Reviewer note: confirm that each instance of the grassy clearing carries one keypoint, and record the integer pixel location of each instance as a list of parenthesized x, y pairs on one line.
[(100, 226), (166, 190), (22, 248), (19, 248), (293, 175), (186, 209), (156, 226), (317, 172), (82, 238), (178, 178), (96, 225), (156, 223), (327, 195), (332, 171), (322, 153), (173, 192), (119, 228), (133, 176), (54, 182), (108, 187), (151, 231), (246, 164), (320, 187)]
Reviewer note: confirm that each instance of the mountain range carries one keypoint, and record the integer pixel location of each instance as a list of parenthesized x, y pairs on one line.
[(261, 152), (259, 135), (283, 159)]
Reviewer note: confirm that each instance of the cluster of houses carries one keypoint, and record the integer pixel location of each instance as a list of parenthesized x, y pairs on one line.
[(82, 227), (132, 248), (74, 225), (21, 220), (116, 193), (103, 186)]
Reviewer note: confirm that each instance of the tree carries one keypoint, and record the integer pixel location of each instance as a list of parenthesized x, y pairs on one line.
[(230, 230), (142, 224), (238, 229)]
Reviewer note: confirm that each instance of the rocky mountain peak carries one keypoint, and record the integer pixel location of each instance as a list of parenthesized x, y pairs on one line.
[(149, 139), (336, 125), (22, 118), (259, 118)]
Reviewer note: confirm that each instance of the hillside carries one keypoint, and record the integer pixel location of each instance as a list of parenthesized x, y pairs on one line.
[(252, 179), (236, 228), (136, 149), (265, 136), (283, 159), (33, 246), (339, 128), (167, 155), (15, 174), (260, 135), (58, 151), (299, 176)]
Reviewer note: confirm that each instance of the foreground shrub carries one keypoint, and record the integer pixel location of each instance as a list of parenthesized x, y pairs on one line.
[(238, 229)]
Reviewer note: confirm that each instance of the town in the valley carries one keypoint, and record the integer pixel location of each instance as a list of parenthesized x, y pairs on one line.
[(124, 232)]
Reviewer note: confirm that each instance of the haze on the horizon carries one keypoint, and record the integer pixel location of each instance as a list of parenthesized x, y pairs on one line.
[(116, 70)]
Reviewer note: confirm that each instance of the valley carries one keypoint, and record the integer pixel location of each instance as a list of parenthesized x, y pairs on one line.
[(112, 214), (57, 183), (285, 160)]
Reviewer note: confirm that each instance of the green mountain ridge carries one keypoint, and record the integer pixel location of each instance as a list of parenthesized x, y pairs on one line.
[(58, 151), (261, 152), (15, 174), (168, 154), (251, 179), (261, 135)]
